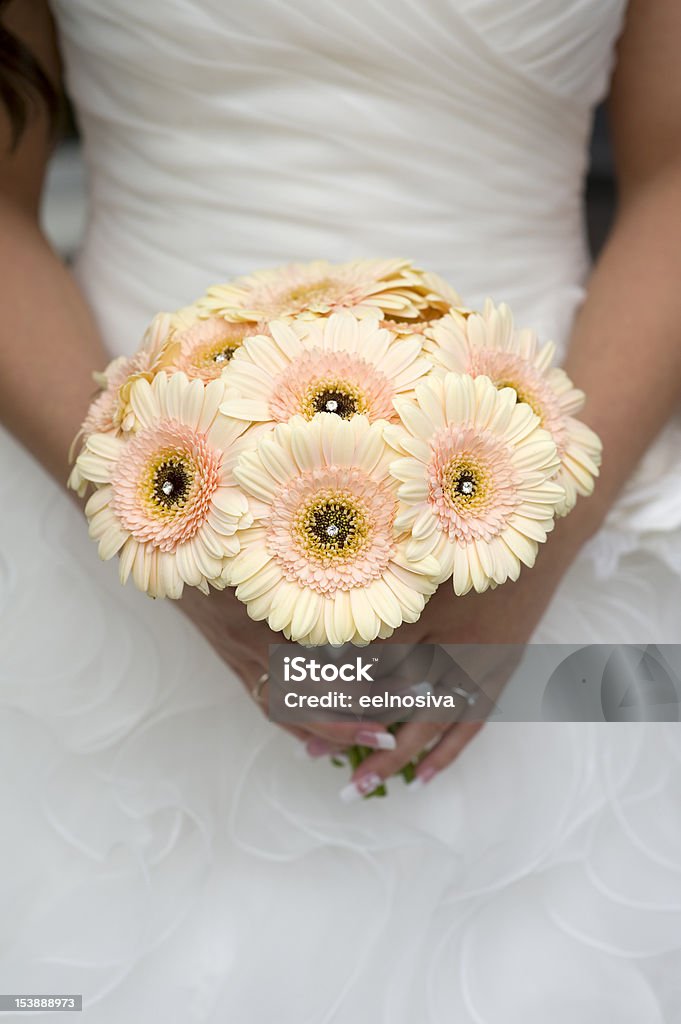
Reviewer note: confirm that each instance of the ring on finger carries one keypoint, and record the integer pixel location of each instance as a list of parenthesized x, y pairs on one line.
[(261, 682)]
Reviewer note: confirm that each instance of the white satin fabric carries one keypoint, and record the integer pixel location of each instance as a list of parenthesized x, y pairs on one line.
[(165, 851)]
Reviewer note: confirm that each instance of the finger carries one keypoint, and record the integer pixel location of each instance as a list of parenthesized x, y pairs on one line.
[(319, 738), (338, 735), (411, 739), (251, 673), (315, 746), (346, 734), (447, 750)]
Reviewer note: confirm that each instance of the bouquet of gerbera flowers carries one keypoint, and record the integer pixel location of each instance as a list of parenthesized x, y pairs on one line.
[(334, 442)]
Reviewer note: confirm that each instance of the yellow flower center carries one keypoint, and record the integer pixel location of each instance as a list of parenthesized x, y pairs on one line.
[(466, 485), (166, 485), (524, 395), (215, 355), (340, 397), (332, 526), (309, 294)]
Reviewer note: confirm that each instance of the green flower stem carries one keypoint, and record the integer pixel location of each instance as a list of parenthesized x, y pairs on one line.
[(356, 754)]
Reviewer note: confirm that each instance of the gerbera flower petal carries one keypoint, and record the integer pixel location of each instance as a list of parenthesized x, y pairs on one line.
[(111, 543), (141, 567), (143, 404), (284, 598), (415, 420), (385, 604), (367, 619), (259, 607), (412, 602), (249, 409), (247, 563), (462, 578), (520, 545), (343, 622), (308, 608)]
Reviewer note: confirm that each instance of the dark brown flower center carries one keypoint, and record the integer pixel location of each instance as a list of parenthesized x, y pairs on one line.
[(224, 355), (172, 481), (337, 402), (465, 484), (333, 525)]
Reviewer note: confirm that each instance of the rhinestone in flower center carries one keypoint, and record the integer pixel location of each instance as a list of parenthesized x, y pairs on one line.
[(331, 526), (216, 355), (341, 398), (172, 481), (466, 486), (339, 402)]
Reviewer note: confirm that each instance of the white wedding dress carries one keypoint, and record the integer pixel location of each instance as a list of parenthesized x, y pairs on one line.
[(165, 851)]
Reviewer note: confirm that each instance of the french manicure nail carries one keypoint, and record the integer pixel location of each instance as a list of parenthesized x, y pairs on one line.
[(362, 786), (422, 778), (376, 740)]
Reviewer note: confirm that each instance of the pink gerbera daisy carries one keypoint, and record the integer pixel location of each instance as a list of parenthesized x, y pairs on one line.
[(204, 348), (392, 287), (322, 561), (166, 498), (487, 343), (110, 411), (476, 490), (438, 298), (339, 365)]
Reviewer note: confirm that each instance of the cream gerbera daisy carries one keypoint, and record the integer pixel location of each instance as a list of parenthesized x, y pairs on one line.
[(110, 411), (166, 498), (341, 365), (486, 343), (321, 561), (392, 287), (204, 348), (155, 354), (437, 299), (476, 490)]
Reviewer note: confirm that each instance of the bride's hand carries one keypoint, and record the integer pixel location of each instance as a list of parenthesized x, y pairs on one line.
[(243, 644), (506, 615)]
